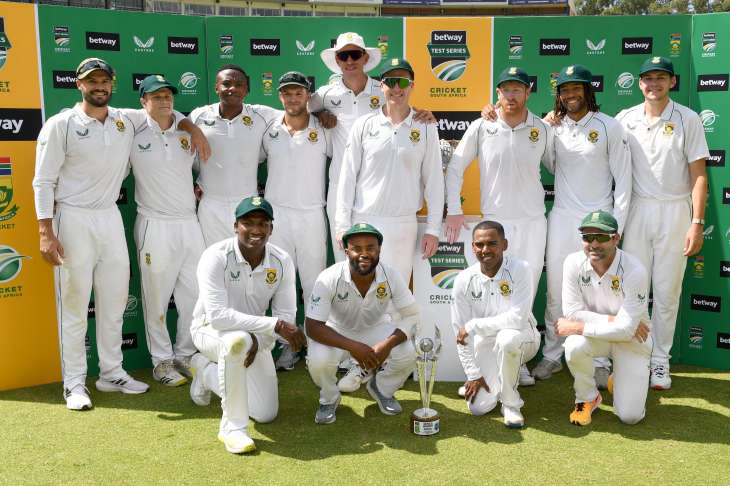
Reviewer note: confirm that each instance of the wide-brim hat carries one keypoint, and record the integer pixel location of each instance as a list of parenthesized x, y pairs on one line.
[(346, 39)]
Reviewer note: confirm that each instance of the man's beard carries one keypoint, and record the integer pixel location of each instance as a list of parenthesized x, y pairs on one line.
[(89, 98), (356, 267)]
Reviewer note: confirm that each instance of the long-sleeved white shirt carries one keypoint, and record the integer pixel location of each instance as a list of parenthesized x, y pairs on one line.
[(622, 292), (234, 296), (230, 172), (388, 169), (485, 306), (509, 167), (662, 151), (590, 155), (296, 164)]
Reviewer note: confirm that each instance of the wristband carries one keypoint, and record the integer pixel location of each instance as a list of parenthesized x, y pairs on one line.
[(698, 221)]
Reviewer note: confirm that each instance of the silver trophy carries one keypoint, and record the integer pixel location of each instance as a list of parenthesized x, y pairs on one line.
[(425, 420)]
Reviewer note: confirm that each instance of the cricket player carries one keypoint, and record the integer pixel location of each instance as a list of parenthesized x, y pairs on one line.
[(606, 314), (82, 157), (238, 279), (166, 231), (591, 156), (668, 150), (492, 308), (347, 313)]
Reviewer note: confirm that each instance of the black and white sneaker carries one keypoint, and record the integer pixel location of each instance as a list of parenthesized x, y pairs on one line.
[(77, 398), (127, 385)]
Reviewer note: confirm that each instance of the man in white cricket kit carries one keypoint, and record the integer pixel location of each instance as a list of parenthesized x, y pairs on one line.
[(668, 151), (347, 313), (234, 130), (606, 314), (492, 307), (167, 233), (591, 154), (238, 279), (392, 162)]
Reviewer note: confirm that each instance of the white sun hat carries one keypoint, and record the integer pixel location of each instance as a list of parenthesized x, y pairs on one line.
[(345, 39)]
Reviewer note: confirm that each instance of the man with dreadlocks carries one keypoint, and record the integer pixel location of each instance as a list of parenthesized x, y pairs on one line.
[(591, 153)]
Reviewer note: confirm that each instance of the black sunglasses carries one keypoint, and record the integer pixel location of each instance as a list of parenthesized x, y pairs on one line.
[(354, 55), (599, 237)]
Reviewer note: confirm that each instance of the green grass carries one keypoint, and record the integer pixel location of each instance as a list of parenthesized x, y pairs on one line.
[(162, 437)]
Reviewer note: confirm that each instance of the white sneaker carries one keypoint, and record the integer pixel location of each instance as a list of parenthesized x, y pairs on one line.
[(601, 374), (237, 442), (545, 369), (461, 391), (526, 378), (198, 391), (127, 385), (355, 377), (77, 398), (660, 378), (513, 418), (182, 365), (166, 374), (287, 358)]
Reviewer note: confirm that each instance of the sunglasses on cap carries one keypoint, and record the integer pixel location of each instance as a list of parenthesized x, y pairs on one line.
[(354, 55), (599, 237), (402, 83), (93, 65)]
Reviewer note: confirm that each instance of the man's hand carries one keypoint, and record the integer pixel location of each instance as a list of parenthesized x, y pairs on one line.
[(423, 116), (51, 248), (199, 143), (454, 223), (461, 337), (326, 119), (642, 332), (293, 335), (693, 240), (198, 191), (365, 356), (489, 112), (429, 245), (471, 388), (382, 351), (566, 327), (551, 119), (251, 355)]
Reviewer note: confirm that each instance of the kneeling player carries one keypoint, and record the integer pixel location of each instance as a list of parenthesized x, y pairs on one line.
[(492, 302), (347, 313), (604, 302), (238, 278)]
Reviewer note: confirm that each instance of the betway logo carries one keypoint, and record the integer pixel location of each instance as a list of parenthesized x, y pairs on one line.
[(64, 79), (265, 47), (460, 125), (449, 37), (636, 45), (554, 47), (708, 303), (101, 40), (104, 41), (183, 45), (716, 158), (723, 340), (11, 125), (712, 82), (725, 268)]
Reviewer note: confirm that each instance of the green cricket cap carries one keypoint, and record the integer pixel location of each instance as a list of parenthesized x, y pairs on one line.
[(575, 73), (362, 229), (513, 73), (396, 63), (601, 220), (657, 63), (155, 82), (255, 203)]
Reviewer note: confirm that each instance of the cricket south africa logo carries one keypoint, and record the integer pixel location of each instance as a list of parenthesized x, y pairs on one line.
[(449, 53), (225, 43), (62, 39), (11, 263), (7, 208), (446, 264), (4, 43)]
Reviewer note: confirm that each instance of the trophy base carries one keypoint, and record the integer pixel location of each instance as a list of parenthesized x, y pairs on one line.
[(425, 421)]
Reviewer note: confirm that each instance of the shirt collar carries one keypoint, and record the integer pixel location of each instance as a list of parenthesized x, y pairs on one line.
[(347, 276), (216, 108), (384, 120), (155, 127), (86, 119), (529, 122), (500, 271), (612, 269), (583, 121), (265, 263)]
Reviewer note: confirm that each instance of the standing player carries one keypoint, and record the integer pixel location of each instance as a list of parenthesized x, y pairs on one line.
[(605, 305), (296, 147), (167, 233), (239, 278), (591, 155), (347, 313), (668, 150), (492, 305)]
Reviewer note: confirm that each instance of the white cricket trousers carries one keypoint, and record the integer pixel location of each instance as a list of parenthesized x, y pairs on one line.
[(630, 373), (399, 240), (95, 254), (302, 233), (331, 209), (244, 392), (217, 217), (322, 362), (168, 252), (655, 232), (526, 240), (499, 358)]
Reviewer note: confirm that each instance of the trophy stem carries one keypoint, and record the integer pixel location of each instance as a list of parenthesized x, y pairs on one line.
[(421, 365), (431, 380)]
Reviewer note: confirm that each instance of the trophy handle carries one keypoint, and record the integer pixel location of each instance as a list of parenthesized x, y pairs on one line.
[(437, 337)]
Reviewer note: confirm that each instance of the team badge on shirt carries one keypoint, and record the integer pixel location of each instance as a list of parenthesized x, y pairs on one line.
[(615, 284), (148, 259), (593, 136), (374, 102), (313, 136), (246, 120), (668, 128), (534, 135), (184, 144), (120, 125), (504, 288), (271, 276), (415, 135), (381, 292)]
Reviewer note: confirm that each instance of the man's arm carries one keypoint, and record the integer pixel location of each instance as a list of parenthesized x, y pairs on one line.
[(698, 179), (50, 156), (432, 177), (548, 156), (464, 153), (322, 333), (346, 186), (619, 161)]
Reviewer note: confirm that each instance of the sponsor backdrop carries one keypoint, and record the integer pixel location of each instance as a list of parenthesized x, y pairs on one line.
[(29, 349)]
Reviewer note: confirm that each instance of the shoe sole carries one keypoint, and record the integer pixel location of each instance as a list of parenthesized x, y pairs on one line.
[(513, 425), (172, 383), (245, 450), (661, 387), (590, 417), (109, 388), (80, 409)]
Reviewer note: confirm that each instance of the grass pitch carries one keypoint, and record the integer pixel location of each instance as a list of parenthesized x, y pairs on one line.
[(161, 437)]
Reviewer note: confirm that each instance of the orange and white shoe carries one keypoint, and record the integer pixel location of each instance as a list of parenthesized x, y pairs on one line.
[(609, 384), (583, 411)]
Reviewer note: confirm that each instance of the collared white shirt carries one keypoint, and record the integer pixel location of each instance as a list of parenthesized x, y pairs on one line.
[(234, 296), (486, 305), (230, 172), (388, 169), (296, 164), (662, 151), (162, 163), (81, 161), (622, 292), (509, 167), (347, 107), (336, 299), (590, 155)]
